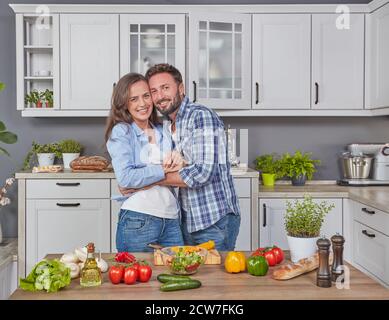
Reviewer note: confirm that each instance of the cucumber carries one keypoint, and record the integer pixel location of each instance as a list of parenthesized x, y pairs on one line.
[(180, 285), (164, 277)]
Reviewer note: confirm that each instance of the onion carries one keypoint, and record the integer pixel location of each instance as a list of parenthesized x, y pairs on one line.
[(69, 258)]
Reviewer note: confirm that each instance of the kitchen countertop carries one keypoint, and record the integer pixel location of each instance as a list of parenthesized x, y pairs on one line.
[(217, 285), (68, 174), (377, 197), (8, 251)]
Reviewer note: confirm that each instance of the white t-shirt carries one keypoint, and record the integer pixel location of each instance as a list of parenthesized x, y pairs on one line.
[(158, 201)]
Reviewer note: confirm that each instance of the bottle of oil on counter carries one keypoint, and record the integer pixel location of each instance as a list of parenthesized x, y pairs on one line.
[(90, 273)]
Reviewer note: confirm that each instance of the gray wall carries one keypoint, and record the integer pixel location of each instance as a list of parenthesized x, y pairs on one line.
[(325, 137)]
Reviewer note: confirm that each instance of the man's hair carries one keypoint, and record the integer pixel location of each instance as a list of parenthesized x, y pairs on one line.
[(164, 68)]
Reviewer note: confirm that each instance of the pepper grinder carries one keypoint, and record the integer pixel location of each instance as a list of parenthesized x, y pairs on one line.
[(323, 278), (337, 248)]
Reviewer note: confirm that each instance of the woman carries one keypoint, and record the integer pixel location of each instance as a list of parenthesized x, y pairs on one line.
[(136, 144)]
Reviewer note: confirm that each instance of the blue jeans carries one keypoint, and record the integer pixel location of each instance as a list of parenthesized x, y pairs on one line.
[(136, 230), (224, 232)]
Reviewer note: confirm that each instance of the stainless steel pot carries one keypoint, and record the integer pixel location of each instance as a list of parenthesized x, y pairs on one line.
[(356, 166)]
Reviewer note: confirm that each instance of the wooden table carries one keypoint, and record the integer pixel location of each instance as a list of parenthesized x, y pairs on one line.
[(218, 285)]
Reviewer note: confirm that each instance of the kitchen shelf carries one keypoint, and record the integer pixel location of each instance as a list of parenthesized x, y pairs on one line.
[(38, 78)]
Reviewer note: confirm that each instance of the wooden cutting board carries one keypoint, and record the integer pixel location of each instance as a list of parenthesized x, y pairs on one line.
[(213, 257)]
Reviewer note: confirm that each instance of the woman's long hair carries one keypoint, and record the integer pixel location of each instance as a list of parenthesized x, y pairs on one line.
[(119, 103)]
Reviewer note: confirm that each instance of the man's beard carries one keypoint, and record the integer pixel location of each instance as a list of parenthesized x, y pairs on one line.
[(173, 106)]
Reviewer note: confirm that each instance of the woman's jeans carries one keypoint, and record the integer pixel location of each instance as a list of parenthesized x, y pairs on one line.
[(136, 230)]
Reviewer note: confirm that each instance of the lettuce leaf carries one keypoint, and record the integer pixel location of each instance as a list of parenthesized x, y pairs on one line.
[(49, 275)]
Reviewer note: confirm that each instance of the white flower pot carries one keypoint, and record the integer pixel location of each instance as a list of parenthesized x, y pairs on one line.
[(302, 247), (69, 157), (46, 159)]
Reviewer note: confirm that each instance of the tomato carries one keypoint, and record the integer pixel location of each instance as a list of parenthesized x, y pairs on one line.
[(115, 274), (278, 253), (130, 275), (258, 252), (270, 257), (125, 257), (144, 272)]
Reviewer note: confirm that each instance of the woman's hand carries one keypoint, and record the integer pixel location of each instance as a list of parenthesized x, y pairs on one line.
[(128, 191), (174, 161)]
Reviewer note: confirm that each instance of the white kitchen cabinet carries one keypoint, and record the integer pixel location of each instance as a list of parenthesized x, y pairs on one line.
[(59, 226), (281, 61), (337, 62), (219, 63), (271, 221), (8, 279), (149, 39), (243, 241), (89, 60), (377, 58)]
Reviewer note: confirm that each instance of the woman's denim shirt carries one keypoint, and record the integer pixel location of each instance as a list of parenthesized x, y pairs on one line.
[(128, 146)]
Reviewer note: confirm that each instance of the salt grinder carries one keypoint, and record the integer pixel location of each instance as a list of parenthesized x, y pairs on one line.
[(337, 248), (323, 278)]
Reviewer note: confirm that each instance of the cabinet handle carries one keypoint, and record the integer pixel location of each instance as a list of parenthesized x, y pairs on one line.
[(68, 184), (316, 93), (368, 211), (264, 215), (256, 93), (370, 235), (68, 204), (194, 91)]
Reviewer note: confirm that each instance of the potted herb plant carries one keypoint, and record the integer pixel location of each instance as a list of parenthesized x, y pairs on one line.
[(299, 167), (48, 95), (303, 221), (270, 167), (70, 149), (45, 153), (35, 97)]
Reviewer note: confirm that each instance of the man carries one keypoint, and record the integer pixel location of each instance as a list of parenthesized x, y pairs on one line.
[(209, 205)]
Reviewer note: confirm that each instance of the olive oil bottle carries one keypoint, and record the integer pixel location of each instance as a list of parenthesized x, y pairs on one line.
[(90, 273)]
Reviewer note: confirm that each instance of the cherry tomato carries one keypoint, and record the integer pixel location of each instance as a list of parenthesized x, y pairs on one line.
[(115, 274), (125, 257), (130, 275), (270, 257), (144, 272), (278, 253)]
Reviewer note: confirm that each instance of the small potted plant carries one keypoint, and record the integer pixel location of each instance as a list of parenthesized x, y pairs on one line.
[(35, 97), (299, 167), (48, 96), (270, 167), (45, 153), (303, 221), (70, 149)]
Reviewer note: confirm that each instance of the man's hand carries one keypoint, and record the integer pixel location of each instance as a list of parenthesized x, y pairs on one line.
[(174, 161)]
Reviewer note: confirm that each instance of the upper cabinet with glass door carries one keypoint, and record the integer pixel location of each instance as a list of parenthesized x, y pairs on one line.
[(219, 60), (147, 39)]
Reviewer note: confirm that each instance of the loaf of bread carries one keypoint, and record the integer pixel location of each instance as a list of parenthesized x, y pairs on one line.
[(89, 163), (292, 270)]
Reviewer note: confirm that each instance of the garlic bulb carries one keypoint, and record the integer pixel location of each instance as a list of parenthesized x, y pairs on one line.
[(81, 253), (81, 265), (74, 269), (102, 264), (69, 258)]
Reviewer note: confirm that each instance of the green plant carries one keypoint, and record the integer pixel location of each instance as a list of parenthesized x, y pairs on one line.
[(299, 164), (48, 96), (304, 218), (6, 136), (41, 148), (70, 146), (269, 163), (34, 97)]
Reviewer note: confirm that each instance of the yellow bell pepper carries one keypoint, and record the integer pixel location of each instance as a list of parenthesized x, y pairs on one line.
[(235, 262), (209, 245)]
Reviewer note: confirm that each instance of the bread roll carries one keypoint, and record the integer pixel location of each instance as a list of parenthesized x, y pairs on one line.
[(89, 163)]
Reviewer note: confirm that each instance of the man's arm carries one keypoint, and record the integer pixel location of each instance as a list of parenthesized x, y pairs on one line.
[(172, 179)]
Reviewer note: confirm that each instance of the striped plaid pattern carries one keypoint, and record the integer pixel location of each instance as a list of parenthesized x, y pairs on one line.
[(202, 141)]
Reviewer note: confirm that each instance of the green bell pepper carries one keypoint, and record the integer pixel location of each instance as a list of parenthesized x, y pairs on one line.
[(257, 266)]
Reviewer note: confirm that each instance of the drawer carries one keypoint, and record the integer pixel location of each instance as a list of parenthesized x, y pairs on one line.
[(371, 250), (243, 187), (371, 217), (68, 189)]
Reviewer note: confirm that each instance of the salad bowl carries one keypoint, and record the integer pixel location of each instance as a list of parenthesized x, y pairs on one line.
[(184, 260)]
